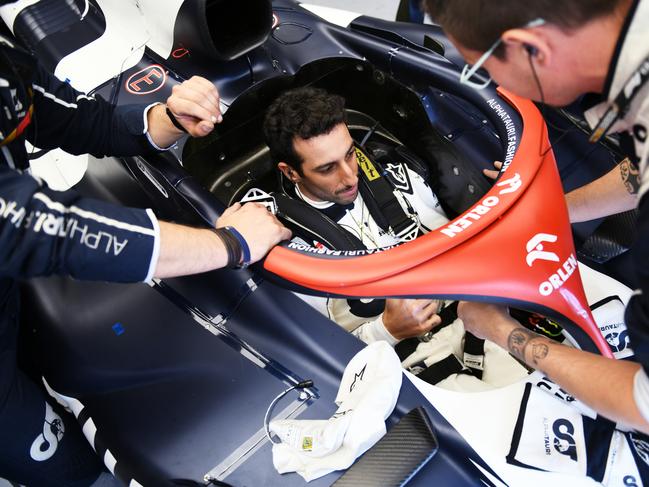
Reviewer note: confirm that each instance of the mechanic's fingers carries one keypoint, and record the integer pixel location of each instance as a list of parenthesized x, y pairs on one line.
[(195, 118), (189, 109), (493, 173), (231, 209), (208, 87), (284, 233), (433, 321), (197, 95), (426, 308), (201, 85)]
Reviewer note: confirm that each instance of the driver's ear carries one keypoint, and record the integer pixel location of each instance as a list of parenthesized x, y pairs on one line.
[(290, 173)]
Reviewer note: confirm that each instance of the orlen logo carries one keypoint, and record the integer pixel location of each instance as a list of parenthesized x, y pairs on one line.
[(535, 249), (510, 185), (477, 212), (147, 80)]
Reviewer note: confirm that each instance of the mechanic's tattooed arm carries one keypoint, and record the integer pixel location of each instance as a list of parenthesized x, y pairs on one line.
[(604, 384), (614, 192), (630, 176), (521, 338)]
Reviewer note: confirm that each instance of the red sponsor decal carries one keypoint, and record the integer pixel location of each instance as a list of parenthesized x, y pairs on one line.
[(180, 52), (147, 80)]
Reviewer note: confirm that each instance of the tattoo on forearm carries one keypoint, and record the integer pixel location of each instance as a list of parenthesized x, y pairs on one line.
[(539, 352), (520, 338), (517, 341), (630, 176)]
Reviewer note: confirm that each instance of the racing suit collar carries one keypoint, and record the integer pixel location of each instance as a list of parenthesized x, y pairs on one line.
[(320, 205)]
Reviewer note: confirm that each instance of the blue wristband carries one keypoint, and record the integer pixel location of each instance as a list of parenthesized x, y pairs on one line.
[(245, 250)]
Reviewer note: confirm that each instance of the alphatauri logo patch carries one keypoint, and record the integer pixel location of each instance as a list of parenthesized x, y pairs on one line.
[(45, 444), (564, 441)]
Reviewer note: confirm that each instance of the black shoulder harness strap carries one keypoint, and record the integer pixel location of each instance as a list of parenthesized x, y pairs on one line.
[(383, 205)]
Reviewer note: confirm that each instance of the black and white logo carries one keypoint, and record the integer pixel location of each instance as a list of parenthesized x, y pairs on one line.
[(256, 195), (357, 377), (399, 177), (641, 446), (45, 444), (564, 441), (618, 341), (535, 248), (548, 385)]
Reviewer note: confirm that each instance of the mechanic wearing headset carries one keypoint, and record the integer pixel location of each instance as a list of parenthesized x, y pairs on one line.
[(46, 232), (554, 51)]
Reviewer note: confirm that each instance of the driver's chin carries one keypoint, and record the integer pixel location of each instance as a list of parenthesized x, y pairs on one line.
[(345, 198)]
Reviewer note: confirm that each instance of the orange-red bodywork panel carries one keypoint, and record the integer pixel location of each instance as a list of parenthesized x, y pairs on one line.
[(515, 243)]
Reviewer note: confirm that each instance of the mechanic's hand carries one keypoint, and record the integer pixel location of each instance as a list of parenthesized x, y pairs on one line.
[(493, 173), (195, 104), (406, 318), (486, 321), (257, 225)]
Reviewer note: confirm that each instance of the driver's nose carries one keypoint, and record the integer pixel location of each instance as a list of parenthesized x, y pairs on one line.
[(350, 174)]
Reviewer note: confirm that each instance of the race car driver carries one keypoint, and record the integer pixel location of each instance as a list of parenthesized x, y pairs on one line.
[(553, 52), (306, 132), (46, 232)]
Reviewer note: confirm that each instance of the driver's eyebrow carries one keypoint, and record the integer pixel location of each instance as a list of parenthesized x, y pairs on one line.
[(326, 165)]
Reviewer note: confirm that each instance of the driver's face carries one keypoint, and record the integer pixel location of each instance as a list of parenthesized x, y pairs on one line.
[(329, 167)]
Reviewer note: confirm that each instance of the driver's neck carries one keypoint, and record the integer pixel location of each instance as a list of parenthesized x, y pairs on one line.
[(304, 196)]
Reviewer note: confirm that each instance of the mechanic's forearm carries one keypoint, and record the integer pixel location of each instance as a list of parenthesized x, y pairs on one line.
[(612, 193), (163, 133), (185, 250), (606, 385)]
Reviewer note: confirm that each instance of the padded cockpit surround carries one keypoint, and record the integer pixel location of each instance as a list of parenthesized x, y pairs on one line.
[(236, 158)]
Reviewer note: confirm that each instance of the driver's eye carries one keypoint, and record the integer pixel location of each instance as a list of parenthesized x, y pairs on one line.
[(326, 169)]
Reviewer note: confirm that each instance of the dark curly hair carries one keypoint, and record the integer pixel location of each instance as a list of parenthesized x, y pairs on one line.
[(304, 113), (477, 24)]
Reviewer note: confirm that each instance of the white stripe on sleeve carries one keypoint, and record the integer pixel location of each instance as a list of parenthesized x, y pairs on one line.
[(49, 95), (155, 255), (89, 215)]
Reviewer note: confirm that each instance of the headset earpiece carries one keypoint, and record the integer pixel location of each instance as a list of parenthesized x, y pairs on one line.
[(531, 50)]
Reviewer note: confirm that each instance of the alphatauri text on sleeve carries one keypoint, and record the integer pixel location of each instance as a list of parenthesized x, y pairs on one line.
[(46, 232)]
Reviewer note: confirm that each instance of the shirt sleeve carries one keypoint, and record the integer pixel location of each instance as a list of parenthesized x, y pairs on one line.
[(636, 315), (80, 124), (45, 232), (374, 331)]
